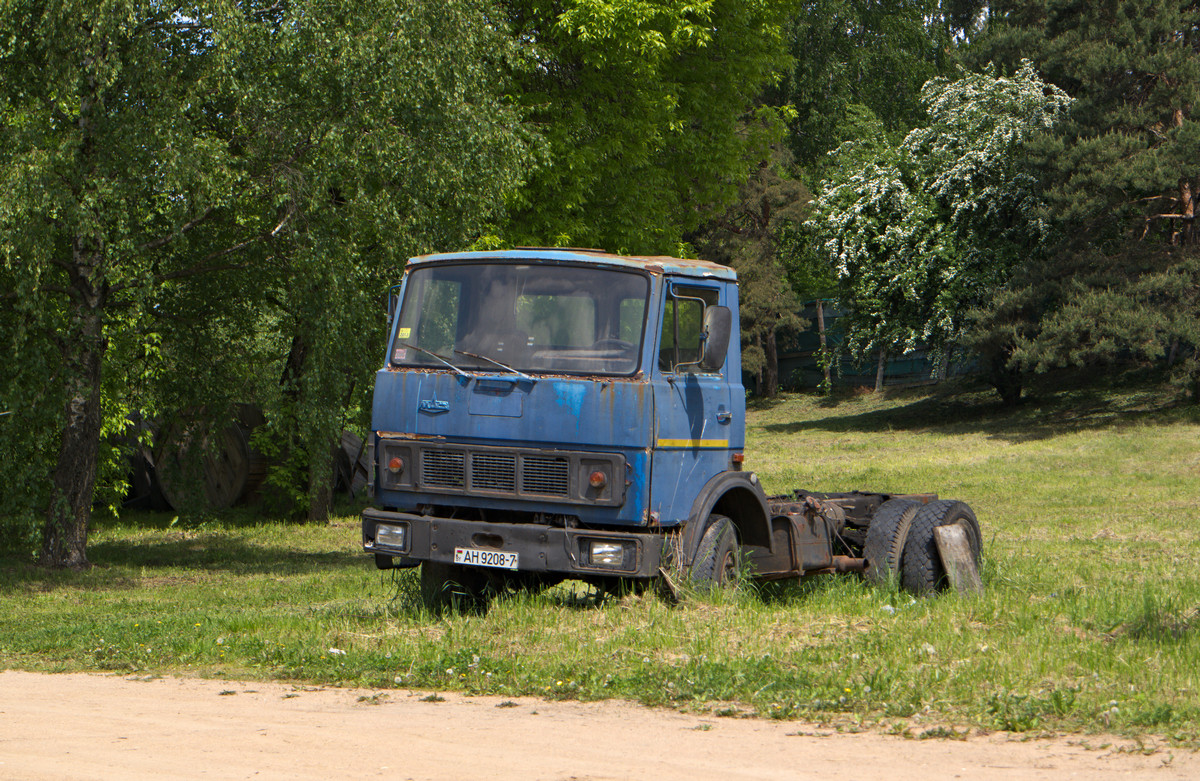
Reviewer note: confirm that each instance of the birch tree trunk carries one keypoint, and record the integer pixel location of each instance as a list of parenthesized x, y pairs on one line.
[(64, 538), (824, 347)]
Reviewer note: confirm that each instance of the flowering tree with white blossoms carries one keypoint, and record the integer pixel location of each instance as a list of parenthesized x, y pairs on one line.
[(920, 231)]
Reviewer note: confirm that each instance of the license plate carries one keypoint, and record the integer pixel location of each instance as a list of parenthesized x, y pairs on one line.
[(485, 558)]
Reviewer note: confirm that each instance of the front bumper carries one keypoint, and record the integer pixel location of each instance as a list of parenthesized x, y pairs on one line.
[(539, 548)]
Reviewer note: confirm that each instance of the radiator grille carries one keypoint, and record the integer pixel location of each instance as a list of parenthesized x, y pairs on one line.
[(546, 476), (444, 468), (494, 472), (513, 473)]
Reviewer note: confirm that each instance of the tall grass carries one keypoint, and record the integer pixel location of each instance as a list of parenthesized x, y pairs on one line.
[(1090, 619)]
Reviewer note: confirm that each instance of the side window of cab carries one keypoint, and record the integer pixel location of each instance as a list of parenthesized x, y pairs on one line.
[(683, 327)]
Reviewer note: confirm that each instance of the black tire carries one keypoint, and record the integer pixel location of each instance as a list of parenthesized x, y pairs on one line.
[(921, 570), (526, 582), (718, 559), (451, 585), (884, 548)]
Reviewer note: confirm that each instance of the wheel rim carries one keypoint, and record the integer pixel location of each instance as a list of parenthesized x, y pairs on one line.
[(729, 568)]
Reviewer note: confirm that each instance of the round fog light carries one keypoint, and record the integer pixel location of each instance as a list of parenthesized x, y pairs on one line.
[(396, 465), (597, 480)]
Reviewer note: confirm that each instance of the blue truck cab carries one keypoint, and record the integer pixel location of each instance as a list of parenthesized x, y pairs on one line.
[(550, 413)]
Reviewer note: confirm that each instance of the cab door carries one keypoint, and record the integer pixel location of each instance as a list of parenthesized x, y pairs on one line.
[(693, 407)]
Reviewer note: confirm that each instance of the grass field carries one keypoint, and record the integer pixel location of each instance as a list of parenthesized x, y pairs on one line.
[(1090, 621)]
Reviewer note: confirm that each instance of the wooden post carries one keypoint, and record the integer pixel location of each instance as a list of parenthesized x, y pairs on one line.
[(957, 559)]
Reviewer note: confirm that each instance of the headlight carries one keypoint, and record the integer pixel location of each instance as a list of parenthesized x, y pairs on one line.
[(611, 555), (388, 536)]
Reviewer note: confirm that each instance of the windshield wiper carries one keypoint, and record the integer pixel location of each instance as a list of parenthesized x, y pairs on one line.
[(432, 354), (520, 374)]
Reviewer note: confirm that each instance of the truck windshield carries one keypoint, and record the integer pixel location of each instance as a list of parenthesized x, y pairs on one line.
[(531, 318)]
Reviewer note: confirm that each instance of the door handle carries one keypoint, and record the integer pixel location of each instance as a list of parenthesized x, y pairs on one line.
[(724, 417)]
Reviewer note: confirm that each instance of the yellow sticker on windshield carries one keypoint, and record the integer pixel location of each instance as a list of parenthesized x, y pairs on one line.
[(404, 333)]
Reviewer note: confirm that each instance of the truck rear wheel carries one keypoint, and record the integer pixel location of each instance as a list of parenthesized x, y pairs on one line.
[(718, 558), (922, 571), (451, 585), (884, 548)]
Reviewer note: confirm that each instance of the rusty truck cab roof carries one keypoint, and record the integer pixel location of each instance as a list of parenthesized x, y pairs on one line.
[(654, 264)]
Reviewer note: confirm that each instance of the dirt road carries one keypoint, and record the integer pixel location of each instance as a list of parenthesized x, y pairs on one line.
[(110, 727)]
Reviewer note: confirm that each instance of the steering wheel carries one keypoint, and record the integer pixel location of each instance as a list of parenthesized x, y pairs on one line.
[(614, 344)]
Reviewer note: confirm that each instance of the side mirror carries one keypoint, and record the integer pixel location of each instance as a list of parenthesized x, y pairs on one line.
[(393, 301), (718, 325)]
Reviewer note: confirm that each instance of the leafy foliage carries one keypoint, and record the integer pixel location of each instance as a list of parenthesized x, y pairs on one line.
[(751, 237), (1117, 165), (645, 109), (920, 231), (186, 178), (852, 60)]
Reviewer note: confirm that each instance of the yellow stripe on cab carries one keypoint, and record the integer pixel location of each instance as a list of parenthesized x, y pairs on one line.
[(693, 443)]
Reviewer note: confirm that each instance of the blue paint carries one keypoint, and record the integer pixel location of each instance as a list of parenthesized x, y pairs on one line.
[(615, 412), (695, 407), (498, 399), (625, 415), (570, 395)]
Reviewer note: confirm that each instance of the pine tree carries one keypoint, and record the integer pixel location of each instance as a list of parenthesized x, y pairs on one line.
[(1121, 178), (751, 236)]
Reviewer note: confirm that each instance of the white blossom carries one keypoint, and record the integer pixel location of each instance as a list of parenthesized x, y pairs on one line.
[(917, 230)]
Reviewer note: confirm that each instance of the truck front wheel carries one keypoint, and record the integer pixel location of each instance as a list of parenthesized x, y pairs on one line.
[(718, 558), (451, 585)]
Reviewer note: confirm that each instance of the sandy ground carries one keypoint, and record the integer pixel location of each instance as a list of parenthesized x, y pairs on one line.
[(112, 727)]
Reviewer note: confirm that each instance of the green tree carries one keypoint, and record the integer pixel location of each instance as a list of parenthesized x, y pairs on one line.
[(856, 57), (644, 106), (159, 155), (750, 237), (1121, 179), (418, 152), (857, 70), (921, 232)]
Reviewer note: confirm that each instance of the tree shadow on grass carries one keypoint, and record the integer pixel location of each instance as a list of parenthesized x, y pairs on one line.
[(1039, 417), (130, 563), (218, 552)]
